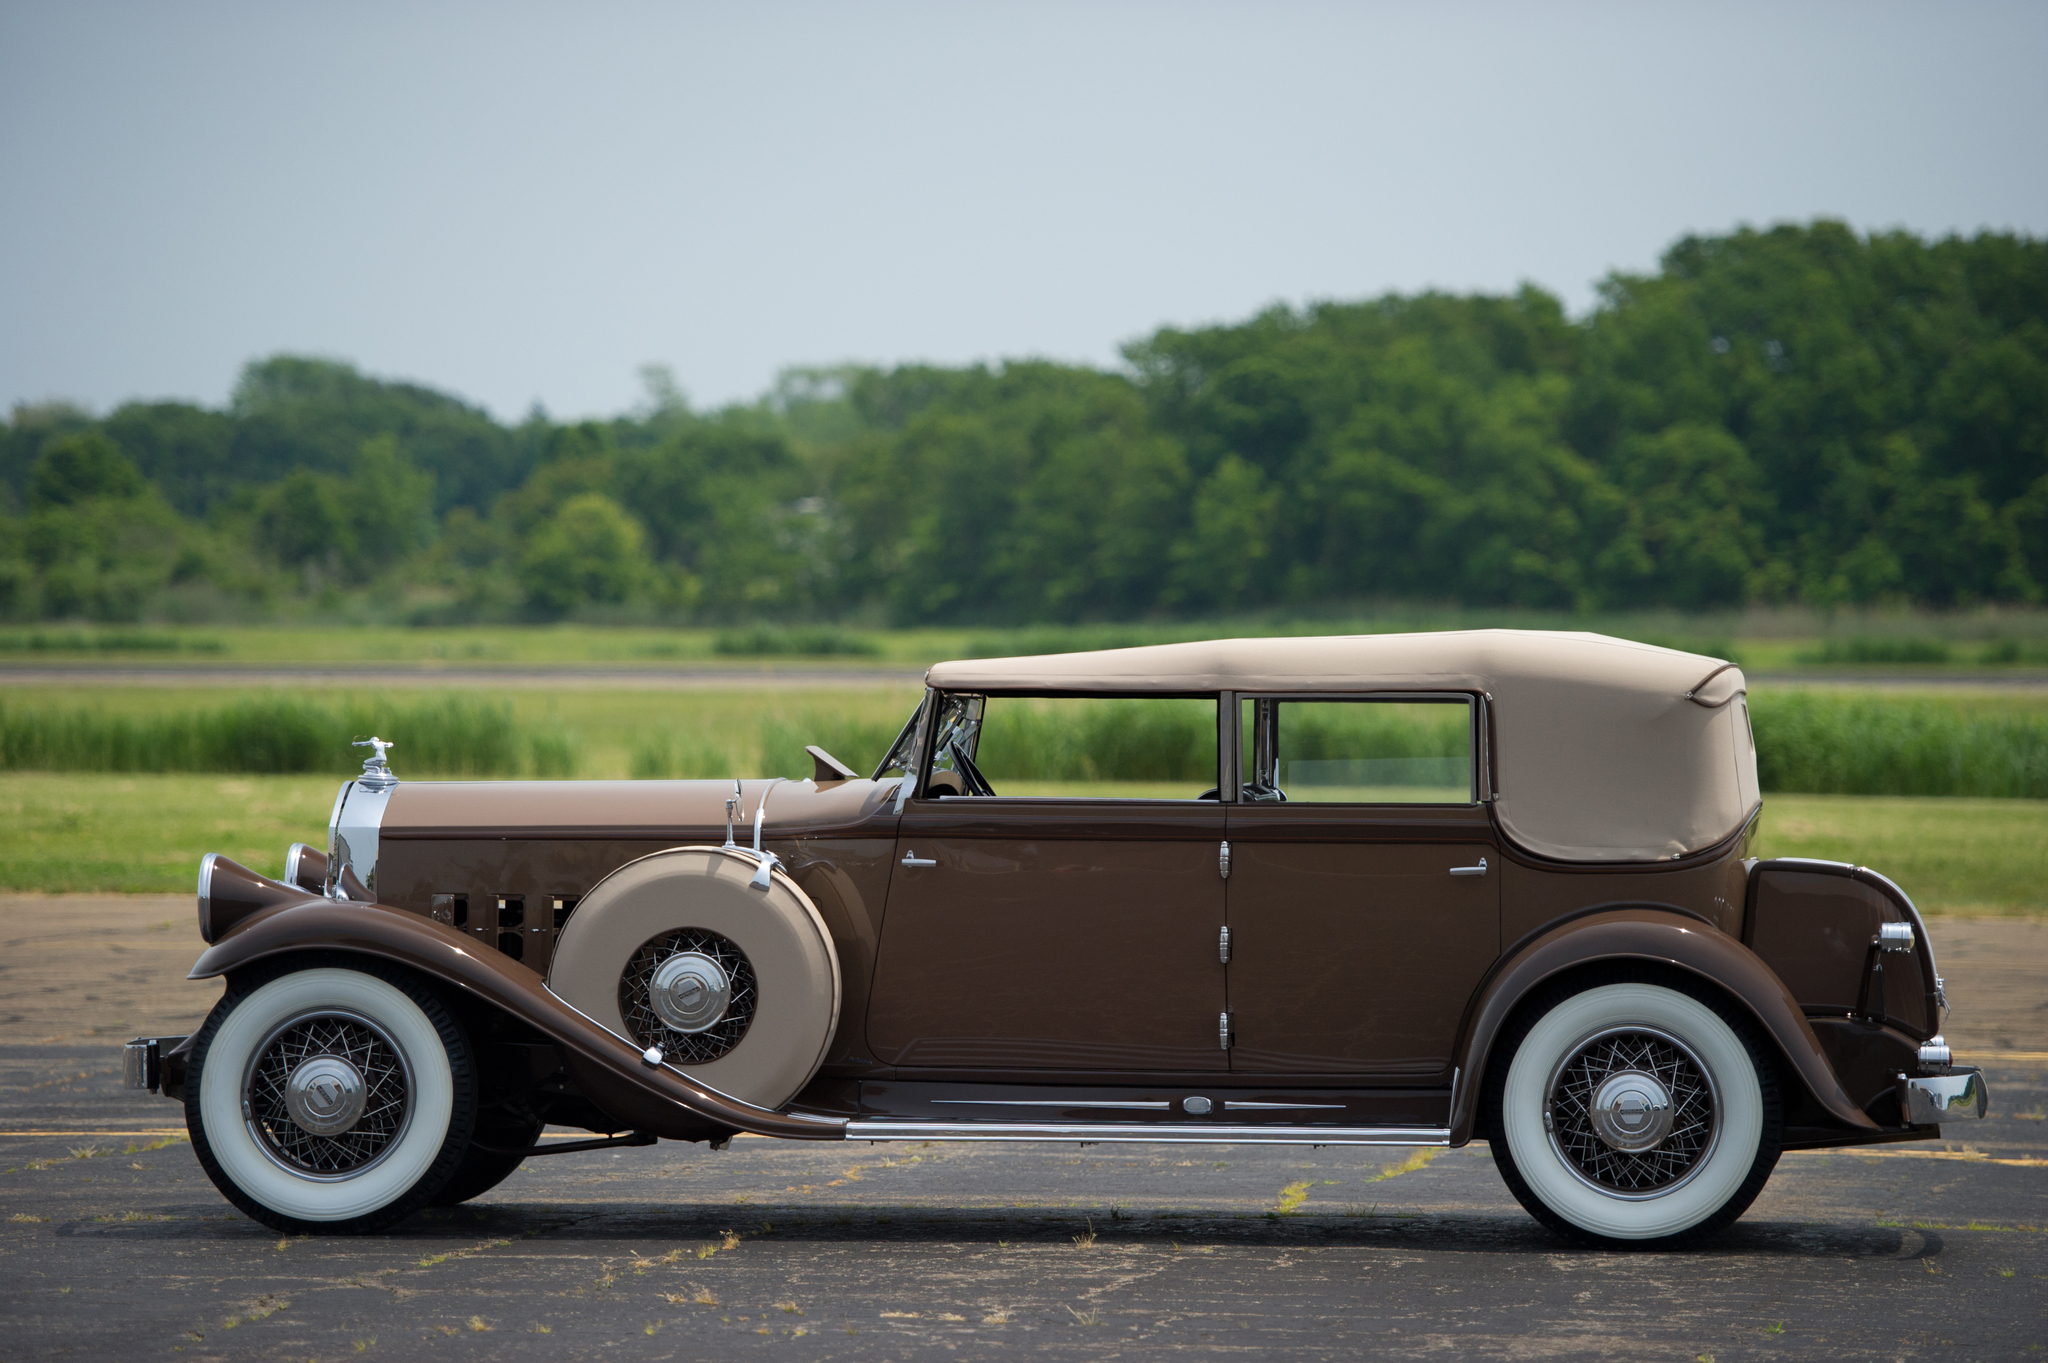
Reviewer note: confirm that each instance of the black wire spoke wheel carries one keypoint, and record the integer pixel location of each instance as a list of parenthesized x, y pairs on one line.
[(328, 1094), (677, 972), (1632, 1111)]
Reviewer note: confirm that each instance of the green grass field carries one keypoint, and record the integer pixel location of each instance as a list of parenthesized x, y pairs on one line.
[(61, 832)]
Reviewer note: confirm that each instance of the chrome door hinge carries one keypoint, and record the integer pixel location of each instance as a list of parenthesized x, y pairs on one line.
[(1223, 947), (1223, 1036), (1223, 860)]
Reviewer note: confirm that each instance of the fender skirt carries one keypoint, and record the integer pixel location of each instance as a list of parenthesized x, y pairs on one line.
[(607, 1069), (1667, 939)]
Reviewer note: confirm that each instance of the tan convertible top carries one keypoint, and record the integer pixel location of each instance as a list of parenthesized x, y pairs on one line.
[(1606, 750)]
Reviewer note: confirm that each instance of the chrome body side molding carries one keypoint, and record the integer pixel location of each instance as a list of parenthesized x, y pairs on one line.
[(1159, 1105), (1175, 1133)]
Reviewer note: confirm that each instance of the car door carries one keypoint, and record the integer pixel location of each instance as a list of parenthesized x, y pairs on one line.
[(1069, 922), (1364, 906)]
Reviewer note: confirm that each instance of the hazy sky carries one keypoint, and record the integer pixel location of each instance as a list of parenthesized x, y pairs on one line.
[(529, 202)]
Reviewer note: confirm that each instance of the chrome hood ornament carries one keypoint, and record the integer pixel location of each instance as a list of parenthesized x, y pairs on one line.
[(376, 770)]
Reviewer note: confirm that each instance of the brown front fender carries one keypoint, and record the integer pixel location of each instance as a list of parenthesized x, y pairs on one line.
[(1650, 936), (608, 1069)]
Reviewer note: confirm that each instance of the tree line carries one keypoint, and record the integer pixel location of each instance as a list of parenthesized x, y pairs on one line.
[(1797, 414)]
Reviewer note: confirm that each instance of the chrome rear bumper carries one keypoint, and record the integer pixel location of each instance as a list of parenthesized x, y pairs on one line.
[(1935, 1098)]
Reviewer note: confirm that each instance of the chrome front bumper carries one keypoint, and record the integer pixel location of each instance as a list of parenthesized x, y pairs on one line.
[(1936, 1098), (142, 1064)]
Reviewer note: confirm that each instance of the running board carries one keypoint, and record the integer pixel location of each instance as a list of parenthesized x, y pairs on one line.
[(1178, 1133)]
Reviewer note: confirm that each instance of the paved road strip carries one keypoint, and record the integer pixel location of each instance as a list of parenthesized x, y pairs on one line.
[(2003, 1057)]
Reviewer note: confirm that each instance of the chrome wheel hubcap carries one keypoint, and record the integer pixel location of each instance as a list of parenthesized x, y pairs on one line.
[(689, 991), (325, 1095), (1632, 1112)]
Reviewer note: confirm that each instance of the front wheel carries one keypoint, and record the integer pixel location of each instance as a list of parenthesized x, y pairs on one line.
[(1634, 1114), (330, 1099)]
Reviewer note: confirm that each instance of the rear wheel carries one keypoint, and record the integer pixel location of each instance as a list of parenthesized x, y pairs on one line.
[(331, 1098), (1634, 1114)]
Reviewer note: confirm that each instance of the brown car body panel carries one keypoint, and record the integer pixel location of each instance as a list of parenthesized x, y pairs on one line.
[(1353, 948), (1816, 923), (1053, 934), (1650, 936), (605, 1069)]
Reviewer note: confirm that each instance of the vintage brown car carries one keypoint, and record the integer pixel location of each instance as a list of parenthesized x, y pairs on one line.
[(1379, 890)]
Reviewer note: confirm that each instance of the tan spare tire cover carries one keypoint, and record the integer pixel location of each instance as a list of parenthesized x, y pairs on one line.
[(704, 889)]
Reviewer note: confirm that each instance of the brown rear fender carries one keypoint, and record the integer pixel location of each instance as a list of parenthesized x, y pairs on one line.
[(607, 1069), (1652, 937)]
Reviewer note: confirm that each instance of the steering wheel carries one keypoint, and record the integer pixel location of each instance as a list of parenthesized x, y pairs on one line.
[(977, 784)]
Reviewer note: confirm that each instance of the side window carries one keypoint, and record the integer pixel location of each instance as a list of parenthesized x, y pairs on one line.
[(1149, 748), (1380, 752)]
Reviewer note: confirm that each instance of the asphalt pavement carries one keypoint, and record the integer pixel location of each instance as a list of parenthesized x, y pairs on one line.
[(113, 1244)]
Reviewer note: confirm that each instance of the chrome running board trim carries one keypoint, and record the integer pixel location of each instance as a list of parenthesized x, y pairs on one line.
[(1160, 1105), (1175, 1133)]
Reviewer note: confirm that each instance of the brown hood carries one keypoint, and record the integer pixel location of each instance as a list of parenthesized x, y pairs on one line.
[(627, 809)]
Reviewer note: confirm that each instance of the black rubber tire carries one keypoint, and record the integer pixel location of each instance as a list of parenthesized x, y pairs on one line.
[(482, 1170), (462, 1117), (1762, 1055)]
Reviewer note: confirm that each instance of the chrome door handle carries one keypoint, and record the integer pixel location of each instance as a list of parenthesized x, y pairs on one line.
[(1478, 870), (911, 858)]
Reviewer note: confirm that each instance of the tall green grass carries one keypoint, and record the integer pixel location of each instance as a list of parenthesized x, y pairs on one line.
[(1117, 740), (1807, 741), (107, 641), (763, 641), (443, 736), (1816, 743)]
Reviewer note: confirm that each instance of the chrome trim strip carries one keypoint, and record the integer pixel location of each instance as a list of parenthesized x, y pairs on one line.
[(359, 814), (334, 822), (1176, 1133), (1047, 1102), (1232, 1104)]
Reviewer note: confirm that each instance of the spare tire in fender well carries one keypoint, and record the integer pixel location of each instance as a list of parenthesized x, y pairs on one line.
[(709, 895), (1653, 936)]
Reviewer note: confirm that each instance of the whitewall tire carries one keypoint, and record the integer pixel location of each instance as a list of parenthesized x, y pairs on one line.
[(1633, 1112), (330, 1098)]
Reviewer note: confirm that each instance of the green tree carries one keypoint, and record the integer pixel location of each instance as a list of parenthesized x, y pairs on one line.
[(82, 468), (590, 551)]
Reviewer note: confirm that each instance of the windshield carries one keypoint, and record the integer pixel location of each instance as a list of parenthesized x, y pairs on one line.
[(903, 752), (959, 729)]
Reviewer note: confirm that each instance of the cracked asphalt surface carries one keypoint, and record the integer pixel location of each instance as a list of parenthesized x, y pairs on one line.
[(114, 1245)]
